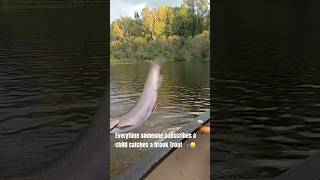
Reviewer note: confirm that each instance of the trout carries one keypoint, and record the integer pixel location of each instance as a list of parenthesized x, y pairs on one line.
[(145, 106)]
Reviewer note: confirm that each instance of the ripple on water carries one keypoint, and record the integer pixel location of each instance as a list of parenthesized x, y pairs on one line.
[(182, 96), (46, 100)]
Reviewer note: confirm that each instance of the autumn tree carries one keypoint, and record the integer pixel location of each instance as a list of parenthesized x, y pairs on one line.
[(155, 21), (181, 33), (125, 30)]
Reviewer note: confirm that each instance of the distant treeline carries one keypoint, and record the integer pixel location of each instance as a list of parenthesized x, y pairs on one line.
[(177, 33)]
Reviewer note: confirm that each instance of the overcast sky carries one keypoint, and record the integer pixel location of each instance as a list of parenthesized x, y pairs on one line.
[(128, 7)]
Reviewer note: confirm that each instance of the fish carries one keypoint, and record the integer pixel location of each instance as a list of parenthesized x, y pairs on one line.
[(87, 158), (145, 106)]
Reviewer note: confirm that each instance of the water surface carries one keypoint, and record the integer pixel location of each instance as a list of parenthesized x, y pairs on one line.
[(52, 77), (266, 95), (183, 95)]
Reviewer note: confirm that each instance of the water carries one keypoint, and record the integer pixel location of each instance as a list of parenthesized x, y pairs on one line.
[(266, 101), (184, 94), (52, 76)]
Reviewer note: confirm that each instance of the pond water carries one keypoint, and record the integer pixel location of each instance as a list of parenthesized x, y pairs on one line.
[(53, 73), (184, 94), (266, 85)]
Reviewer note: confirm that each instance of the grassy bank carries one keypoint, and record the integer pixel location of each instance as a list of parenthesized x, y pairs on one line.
[(175, 33), (173, 48)]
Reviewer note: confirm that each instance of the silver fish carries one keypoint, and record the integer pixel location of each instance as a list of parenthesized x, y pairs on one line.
[(145, 106), (87, 158)]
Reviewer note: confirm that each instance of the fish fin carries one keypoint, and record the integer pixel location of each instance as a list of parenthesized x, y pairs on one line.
[(123, 125), (154, 108), (114, 122)]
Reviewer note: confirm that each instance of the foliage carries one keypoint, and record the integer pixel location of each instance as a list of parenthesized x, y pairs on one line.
[(180, 33), (200, 46)]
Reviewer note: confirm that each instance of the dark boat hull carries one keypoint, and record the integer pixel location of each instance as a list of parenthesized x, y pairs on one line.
[(176, 163)]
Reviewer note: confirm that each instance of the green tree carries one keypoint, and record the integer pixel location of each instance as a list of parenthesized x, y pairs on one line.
[(125, 30), (183, 22), (179, 33), (199, 10)]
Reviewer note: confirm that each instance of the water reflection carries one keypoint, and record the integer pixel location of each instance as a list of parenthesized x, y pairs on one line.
[(184, 94), (51, 82), (266, 88)]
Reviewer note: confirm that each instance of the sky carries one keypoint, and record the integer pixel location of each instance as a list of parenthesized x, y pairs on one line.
[(120, 8)]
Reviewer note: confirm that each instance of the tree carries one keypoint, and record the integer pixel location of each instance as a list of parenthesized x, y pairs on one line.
[(125, 30), (199, 10), (179, 33), (183, 22), (170, 22), (136, 16), (154, 20)]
